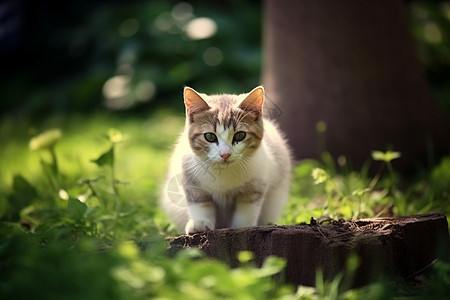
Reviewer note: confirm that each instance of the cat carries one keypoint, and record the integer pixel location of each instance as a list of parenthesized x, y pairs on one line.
[(231, 166)]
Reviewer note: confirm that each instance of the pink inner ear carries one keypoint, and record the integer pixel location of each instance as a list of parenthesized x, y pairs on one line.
[(193, 101), (254, 101)]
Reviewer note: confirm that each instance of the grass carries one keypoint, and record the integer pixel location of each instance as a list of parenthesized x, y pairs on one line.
[(79, 216)]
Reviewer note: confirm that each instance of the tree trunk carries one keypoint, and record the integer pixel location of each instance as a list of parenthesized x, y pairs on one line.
[(351, 66), (403, 246)]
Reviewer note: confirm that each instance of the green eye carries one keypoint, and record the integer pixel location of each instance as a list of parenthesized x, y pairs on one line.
[(239, 136), (210, 137)]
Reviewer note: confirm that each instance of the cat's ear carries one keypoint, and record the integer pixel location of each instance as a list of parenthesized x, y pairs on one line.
[(194, 102), (254, 101)]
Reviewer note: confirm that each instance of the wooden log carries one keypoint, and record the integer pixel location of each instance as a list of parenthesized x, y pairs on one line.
[(400, 245)]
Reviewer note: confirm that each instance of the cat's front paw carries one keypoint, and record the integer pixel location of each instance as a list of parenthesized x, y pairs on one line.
[(198, 226)]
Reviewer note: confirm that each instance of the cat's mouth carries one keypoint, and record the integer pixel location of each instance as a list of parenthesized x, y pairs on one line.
[(225, 162)]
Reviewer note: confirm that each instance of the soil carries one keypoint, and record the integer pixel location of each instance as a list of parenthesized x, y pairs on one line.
[(403, 246)]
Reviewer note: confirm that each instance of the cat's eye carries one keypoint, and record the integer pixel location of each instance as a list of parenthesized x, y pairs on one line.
[(239, 136), (210, 137)]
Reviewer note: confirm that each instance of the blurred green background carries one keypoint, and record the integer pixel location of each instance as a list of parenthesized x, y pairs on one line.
[(130, 56), (136, 56)]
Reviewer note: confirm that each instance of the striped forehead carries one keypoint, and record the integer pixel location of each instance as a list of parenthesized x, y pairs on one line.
[(224, 110), (224, 133)]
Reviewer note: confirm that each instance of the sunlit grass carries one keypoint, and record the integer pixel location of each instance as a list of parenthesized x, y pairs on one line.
[(141, 156), (140, 163), (141, 159), (95, 204)]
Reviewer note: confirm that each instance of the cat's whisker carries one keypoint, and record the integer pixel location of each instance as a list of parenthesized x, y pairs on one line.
[(202, 168), (241, 116), (243, 166), (194, 169), (246, 164)]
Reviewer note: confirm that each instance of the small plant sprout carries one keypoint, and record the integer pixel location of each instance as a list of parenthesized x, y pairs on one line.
[(47, 141), (115, 136), (387, 157), (321, 176), (107, 158), (92, 191)]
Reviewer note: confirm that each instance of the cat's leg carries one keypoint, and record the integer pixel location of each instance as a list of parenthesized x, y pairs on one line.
[(248, 205), (202, 217), (274, 203), (246, 213), (202, 211)]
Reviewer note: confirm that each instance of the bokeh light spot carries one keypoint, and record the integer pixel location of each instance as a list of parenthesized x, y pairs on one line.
[(116, 87), (128, 27), (145, 90), (201, 28), (446, 9), (432, 33), (164, 22), (116, 91), (213, 56), (321, 126), (182, 11)]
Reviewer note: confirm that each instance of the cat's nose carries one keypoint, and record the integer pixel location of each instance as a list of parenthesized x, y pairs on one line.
[(225, 156)]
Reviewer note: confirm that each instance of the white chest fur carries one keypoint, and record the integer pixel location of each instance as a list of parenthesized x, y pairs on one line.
[(222, 178)]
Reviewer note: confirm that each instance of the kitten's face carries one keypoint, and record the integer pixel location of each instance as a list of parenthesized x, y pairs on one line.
[(224, 128)]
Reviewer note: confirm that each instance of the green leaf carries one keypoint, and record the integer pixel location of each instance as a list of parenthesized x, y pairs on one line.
[(360, 192), (272, 265), (353, 263), (46, 139), (106, 158), (245, 256), (385, 156), (23, 193), (115, 136), (90, 180), (76, 208), (344, 210), (22, 187), (319, 175)]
